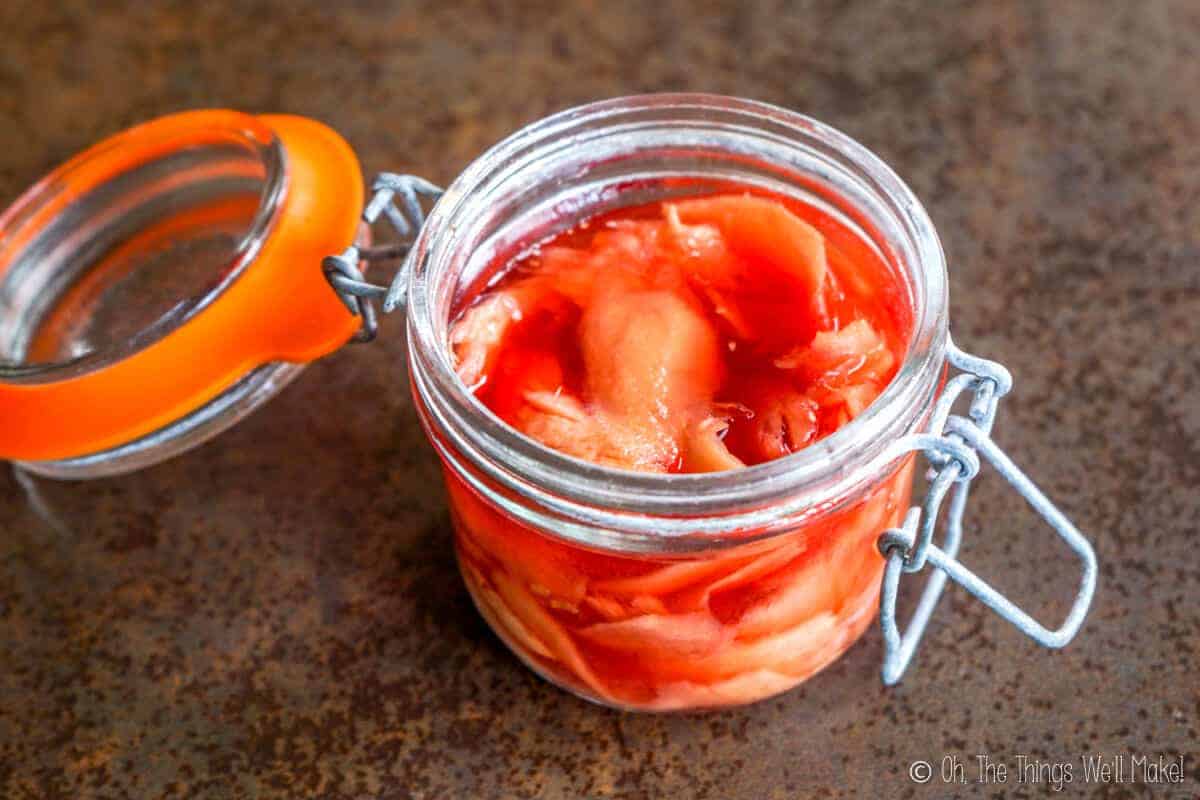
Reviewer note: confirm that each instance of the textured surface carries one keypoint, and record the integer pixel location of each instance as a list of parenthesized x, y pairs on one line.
[(278, 614)]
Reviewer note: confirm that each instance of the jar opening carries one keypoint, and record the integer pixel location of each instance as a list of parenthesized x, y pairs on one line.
[(549, 176), (130, 239)]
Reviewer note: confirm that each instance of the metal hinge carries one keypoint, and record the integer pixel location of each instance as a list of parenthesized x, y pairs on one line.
[(343, 272)]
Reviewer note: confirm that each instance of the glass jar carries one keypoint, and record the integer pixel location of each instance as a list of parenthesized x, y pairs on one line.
[(161, 285), (685, 591)]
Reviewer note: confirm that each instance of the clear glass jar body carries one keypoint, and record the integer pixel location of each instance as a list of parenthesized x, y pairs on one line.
[(670, 592)]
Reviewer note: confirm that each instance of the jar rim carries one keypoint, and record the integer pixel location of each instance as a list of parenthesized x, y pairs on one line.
[(671, 504)]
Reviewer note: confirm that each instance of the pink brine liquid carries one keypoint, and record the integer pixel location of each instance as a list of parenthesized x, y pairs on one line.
[(695, 335)]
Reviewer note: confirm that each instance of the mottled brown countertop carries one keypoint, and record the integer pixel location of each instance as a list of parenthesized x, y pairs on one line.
[(278, 615)]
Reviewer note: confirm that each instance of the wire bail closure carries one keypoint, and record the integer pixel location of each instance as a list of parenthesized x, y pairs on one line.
[(343, 271), (954, 446)]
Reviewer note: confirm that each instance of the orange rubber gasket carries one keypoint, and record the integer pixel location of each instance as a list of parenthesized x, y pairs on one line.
[(280, 308)]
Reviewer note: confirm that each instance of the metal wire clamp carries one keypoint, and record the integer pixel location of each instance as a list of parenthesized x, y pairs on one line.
[(397, 197), (953, 446)]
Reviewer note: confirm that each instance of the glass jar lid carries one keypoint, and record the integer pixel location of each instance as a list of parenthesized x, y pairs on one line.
[(160, 285)]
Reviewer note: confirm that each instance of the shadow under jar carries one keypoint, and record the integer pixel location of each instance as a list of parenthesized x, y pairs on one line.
[(680, 591)]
